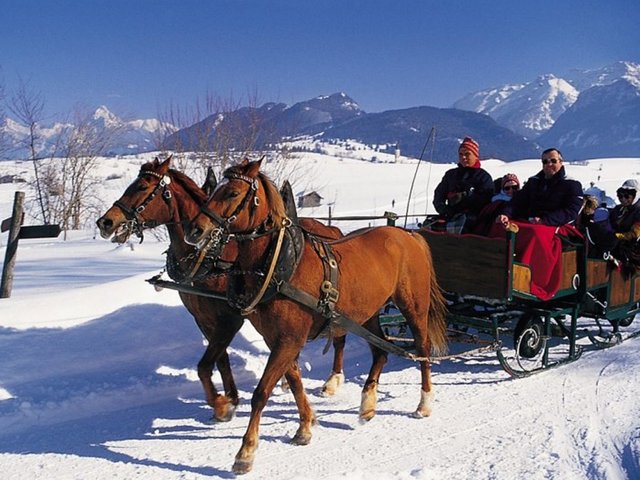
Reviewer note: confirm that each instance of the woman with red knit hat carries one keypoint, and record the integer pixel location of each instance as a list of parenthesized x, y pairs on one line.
[(464, 190)]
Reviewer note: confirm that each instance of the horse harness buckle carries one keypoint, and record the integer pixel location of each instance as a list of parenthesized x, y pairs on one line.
[(331, 294), (329, 287)]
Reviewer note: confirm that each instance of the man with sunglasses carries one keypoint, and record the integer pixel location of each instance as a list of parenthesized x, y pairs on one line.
[(547, 198)]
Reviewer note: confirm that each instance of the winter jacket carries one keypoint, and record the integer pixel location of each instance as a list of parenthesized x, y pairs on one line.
[(556, 200), (463, 190), (623, 220)]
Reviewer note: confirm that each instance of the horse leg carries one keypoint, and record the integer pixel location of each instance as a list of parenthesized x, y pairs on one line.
[(307, 416), (281, 360), (370, 389), (223, 406), (336, 378), (227, 410), (423, 349)]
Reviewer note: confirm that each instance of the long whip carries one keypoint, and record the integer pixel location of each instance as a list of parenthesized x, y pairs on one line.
[(432, 134)]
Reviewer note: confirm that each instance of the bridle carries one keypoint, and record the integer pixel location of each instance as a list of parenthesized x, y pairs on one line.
[(221, 234), (135, 222), (224, 222)]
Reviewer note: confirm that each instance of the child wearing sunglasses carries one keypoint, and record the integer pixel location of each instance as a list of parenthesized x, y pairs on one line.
[(509, 185)]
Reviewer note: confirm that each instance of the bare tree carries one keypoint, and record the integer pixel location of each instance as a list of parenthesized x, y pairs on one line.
[(76, 183), (214, 131), (27, 106), (4, 137)]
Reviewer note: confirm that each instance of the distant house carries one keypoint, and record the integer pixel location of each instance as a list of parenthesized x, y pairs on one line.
[(311, 199), (11, 179)]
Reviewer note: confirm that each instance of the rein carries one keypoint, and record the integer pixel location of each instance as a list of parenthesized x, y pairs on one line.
[(267, 280)]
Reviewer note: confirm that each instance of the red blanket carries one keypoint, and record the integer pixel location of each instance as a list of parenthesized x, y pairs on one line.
[(540, 247)]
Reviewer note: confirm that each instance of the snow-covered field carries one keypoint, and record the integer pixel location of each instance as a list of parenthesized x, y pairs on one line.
[(98, 380)]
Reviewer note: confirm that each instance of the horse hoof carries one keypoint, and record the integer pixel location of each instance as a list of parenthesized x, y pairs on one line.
[(225, 414), (301, 438), (332, 384), (240, 467), (421, 413), (366, 416)]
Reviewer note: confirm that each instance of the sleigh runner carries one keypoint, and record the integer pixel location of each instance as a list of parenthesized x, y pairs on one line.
[(492, 301)]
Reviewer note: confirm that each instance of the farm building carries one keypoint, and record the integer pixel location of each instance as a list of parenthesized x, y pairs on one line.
[(311, 199)]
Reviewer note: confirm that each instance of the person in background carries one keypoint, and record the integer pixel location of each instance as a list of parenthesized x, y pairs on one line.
[(625, 217), (464, 190), (547, 198), (594, 223), (509, 186), (625, 220)]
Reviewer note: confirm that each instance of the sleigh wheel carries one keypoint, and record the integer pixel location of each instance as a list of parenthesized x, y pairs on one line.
[(528, 336)]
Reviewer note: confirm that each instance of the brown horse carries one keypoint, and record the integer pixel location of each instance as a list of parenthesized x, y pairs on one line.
[(164, 196), (374, 265)]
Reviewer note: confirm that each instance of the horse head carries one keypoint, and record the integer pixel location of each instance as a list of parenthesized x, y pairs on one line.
[(245, 201), (147, 202)]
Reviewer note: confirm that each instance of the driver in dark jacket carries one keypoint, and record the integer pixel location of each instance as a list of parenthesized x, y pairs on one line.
[(464, 190), (548, 198)]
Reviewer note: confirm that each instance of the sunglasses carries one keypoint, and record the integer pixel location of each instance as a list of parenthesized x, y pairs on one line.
[(508, 188), (626, 193), (552, 160)]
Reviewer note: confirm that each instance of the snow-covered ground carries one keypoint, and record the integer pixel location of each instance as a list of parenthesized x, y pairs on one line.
[(98, 380)]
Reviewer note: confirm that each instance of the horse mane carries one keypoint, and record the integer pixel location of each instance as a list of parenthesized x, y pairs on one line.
[(181, 179), (189, 186), (277, 209)]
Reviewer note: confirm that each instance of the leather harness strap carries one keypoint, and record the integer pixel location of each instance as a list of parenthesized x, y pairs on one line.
[(329, 287), (249, 308), (344, 322)]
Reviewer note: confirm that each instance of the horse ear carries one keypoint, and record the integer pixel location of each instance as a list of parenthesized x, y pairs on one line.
[(252, 168), (289, 203), (210, 182), (164, 166)]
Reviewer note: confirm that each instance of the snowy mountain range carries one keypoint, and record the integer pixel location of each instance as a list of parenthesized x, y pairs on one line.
[(338, 118), (129, 136), (528, 109), (586, 113)]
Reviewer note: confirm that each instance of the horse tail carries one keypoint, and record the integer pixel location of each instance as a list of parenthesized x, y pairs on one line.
[(437, 315), (437, 322)]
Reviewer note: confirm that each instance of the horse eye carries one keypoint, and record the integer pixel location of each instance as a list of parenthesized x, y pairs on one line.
[(233, 194), (142, 186)]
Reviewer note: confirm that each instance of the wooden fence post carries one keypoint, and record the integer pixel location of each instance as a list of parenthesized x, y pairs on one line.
[(391, 218), (12, 245)]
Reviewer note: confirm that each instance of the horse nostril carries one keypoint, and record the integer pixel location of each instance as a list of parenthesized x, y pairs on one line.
[(104, 223)]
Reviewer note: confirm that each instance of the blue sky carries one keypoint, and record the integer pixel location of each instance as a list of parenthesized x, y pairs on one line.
[(139, 56)]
